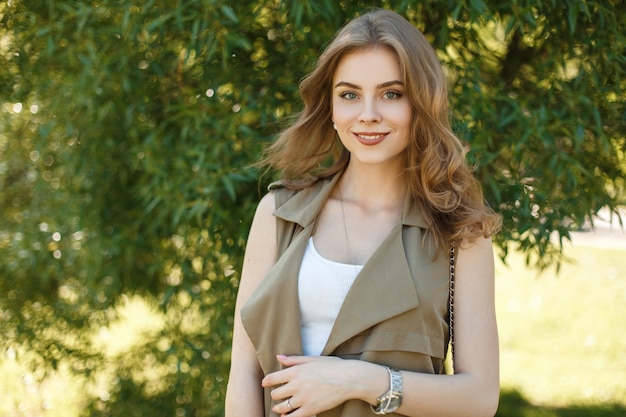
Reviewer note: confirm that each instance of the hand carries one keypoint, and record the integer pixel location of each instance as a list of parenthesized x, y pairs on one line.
[(309, 385)]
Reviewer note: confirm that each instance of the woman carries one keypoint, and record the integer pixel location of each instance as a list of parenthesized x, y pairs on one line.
[(343, 303)]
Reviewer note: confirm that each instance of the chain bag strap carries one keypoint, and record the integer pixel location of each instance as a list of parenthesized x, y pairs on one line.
[(451, 302)]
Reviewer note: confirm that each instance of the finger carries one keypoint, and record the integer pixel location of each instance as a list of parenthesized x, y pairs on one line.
[(284, 407), (295, 360), (272, 379), (275, 378), (281, 393)]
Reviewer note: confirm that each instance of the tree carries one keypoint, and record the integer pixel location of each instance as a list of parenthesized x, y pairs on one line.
[(128, 130)]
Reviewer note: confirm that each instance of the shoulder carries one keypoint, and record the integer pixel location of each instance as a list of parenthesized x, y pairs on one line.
[(266, 206), (261, 245), (481, 246), (475, 271), (476, 254), (263, 223)]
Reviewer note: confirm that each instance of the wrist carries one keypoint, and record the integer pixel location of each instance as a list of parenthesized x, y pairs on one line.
[(370, 380), (391, 400)]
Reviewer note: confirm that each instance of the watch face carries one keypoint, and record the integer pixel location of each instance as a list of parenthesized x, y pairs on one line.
[(387, 404), (394, 403)]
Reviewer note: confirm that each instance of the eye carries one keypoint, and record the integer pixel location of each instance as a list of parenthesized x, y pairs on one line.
[(348, 95), (392, 95)]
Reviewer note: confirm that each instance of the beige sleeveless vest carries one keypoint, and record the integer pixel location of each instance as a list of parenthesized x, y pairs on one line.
[(395, 313)]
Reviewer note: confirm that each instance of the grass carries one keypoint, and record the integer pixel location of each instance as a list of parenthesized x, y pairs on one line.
[(561, 336)]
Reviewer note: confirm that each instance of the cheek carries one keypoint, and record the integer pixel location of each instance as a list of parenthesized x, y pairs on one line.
[(342, 113), (404, 116), (335, 107)]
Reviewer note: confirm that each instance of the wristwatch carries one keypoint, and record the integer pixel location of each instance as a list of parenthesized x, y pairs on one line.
[(391, 400)]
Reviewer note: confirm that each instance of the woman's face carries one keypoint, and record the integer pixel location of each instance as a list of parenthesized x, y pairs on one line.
[(370, 108)]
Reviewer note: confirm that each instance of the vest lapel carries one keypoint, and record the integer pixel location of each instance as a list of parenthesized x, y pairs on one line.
[(271, 316), (375, 296), (304, 207)]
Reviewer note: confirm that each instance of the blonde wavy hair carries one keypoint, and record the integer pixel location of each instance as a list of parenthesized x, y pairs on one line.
[(440, 181)]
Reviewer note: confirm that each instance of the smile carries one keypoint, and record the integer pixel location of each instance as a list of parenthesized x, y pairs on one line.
[(370, 139)]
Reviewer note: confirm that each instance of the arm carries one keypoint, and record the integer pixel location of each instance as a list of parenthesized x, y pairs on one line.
[(244, 395), (472, 391), (475, 387)]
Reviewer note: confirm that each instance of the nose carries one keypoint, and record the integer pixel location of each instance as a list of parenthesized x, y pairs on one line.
[(369, 112)]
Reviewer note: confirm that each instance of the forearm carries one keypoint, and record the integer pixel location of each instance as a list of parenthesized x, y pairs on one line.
[(464, 394), (244, 396)]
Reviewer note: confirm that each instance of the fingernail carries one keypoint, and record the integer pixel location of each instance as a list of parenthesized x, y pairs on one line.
[(281, 357)]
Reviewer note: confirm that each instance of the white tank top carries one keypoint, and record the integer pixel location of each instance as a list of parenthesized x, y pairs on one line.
[(322, 288)]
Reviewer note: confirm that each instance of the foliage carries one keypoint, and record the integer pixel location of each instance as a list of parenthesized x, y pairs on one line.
[(513, 404), (127, 131)]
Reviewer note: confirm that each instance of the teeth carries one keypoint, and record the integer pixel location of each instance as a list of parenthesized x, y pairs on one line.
[(372, 136)]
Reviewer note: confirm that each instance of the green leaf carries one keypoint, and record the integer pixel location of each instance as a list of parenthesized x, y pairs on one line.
[(229, 13), (572, 15), (229, 186)]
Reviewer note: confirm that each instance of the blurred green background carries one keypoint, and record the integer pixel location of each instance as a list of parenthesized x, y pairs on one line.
[(127, 130)]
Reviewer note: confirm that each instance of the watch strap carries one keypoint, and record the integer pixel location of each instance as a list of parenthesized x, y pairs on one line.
[(391, 400)]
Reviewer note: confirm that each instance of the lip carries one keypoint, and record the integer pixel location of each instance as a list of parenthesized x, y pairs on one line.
[(370, 138)]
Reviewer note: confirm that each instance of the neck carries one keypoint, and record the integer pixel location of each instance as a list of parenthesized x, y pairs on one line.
[(373, 187)]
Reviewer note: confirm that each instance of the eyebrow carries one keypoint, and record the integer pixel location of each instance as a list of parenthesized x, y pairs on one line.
[(383, 85)]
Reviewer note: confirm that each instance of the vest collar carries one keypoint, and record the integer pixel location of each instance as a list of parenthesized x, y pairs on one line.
[(304, 207)]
